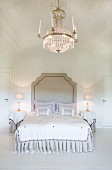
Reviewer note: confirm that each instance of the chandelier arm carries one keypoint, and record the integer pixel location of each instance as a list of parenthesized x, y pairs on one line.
[(39, 36), (74, 32), (54, 33)]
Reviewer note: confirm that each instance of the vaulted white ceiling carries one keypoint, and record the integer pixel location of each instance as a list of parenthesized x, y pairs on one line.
[(19, 20)]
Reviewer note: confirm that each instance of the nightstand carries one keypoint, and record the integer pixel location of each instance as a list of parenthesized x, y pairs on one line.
[(90, 117), (15, 118)]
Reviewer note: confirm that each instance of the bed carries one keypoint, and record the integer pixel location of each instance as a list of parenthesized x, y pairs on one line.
[(53, 125)]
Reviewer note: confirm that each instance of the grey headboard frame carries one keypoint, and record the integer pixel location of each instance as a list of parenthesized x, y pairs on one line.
[(65, 90)]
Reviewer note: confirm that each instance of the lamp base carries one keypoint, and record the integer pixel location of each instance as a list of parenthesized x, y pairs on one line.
[(18, 110)]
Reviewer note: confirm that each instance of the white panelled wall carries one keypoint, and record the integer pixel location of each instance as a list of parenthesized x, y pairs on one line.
[(21, 51), (82, 65)]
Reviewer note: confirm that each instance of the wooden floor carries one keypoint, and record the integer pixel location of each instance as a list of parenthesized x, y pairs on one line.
[(99, 159)]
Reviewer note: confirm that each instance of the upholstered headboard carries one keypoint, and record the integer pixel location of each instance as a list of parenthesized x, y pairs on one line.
[(53, 87)]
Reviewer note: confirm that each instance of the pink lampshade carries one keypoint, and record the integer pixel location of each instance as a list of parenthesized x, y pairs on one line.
[(87, 97), (19, 96)]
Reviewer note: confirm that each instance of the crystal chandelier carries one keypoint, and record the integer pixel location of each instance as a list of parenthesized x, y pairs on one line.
[(58, 39)]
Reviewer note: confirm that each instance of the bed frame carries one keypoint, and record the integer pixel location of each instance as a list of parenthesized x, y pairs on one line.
[(53, 87)]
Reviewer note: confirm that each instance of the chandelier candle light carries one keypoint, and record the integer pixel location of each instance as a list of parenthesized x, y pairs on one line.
[(58, 39)]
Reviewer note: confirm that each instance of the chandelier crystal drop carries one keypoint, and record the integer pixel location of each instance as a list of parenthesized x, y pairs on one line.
[(58, 39)]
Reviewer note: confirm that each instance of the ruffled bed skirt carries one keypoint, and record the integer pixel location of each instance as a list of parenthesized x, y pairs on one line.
[(53, 146)]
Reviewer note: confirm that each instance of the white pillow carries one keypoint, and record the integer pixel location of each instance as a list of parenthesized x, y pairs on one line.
[(38, 104), (67, 112), (43, 110), (70, 106)]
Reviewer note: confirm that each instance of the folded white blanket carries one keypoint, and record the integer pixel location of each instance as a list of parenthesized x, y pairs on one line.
[(53, 127)]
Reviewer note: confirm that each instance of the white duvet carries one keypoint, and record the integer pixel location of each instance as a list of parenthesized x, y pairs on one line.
[(53, 127)]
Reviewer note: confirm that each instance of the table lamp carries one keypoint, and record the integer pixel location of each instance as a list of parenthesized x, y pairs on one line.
[(19, 97), (87, 97)]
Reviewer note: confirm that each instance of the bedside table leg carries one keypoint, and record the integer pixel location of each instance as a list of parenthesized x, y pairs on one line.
[(93, 128)]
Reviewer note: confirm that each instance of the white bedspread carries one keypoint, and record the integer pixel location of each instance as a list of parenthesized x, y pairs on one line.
[(53, 127)]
